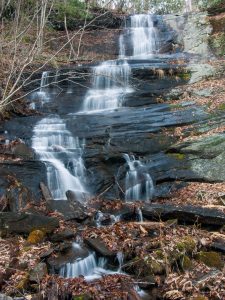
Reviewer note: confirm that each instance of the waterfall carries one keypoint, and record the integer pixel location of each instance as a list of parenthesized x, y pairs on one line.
[(120, 258), (62, 154), (110, 84), (188, 6), (143, 36), (139, 214), (111, 78), (138, 182), (44, 80), (90, 267)]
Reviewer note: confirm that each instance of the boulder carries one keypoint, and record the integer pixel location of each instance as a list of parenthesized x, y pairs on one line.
[(38, 272), (187, 213), (23, 151), (99, 246), (62, 236), (70, 210), (24, 223)]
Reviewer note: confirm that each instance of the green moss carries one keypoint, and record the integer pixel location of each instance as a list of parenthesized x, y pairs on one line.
[(211, 259), (221, 106), (178, 156), (186, 263), (184, 76), (217, 43), (82, 297), (186, 245), (159, 254), (200, 298)]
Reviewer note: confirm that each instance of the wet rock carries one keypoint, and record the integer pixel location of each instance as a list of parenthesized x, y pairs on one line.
[(22, 150), (189, 214), (174, 94), (70, 210), (25, 223), (72, 197), (28, 173), (70, 253), (46, 192), (99, 246), (38, 272), (62, 236)]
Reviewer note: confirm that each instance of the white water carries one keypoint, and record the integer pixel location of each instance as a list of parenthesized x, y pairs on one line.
[(139, 214), (90, 267), (62, 154), (110, 84), (188, 5), (143, 37), (138, 183)]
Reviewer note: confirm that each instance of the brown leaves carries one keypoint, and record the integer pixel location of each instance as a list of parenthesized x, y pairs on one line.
[(110, 287)]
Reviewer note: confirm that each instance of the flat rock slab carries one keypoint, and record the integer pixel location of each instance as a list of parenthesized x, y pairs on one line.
[(25, 223), (99, 246), (69, 210), (189, 214)]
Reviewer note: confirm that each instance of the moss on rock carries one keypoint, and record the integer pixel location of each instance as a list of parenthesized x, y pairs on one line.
[(186, 263), (211, 259), (187, 245), (36, 236)]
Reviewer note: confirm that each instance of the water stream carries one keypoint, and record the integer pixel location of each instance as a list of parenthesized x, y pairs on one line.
[(62, 154), (139, 184)]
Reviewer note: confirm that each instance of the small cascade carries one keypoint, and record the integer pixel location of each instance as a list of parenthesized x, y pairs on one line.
[(44, 80), (120, 258), (139, 214), (90, 267), (138, 183), (143, 35), (62, 154), (110, 84)]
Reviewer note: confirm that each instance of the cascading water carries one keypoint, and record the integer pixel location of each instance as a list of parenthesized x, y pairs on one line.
[(138, 183), (143, 35), (111, 78), (188, 6), (110, 84), (62, 154), (90, 267)]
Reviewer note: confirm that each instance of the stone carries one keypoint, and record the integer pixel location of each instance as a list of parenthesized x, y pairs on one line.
[(38, 272), (200, 72), (62, 236), (99, 246), (46, 192), (22, 150), (70, 210), (36, 236), (203, 93), (211, 259), (184, 213), (24, 223)]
